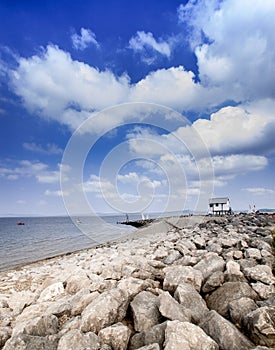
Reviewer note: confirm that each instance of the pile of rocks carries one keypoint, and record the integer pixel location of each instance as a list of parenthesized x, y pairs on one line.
[(209, 286)]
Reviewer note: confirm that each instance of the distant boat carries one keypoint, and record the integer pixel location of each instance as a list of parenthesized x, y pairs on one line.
[(78, 221), (20, 223)]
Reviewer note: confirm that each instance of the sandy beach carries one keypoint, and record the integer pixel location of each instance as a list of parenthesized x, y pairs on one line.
[(177, 284)]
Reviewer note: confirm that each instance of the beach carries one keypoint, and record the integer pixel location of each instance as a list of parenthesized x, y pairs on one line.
[(180, 283)]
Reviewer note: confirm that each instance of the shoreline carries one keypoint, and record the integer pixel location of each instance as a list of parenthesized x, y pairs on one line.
[(94, 295), (96, 245)]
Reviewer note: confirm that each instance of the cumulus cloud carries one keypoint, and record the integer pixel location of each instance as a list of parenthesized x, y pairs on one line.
[(239, 51), (83, 40), (28, 169), (56, 87), (49, 149), (259, 191), (236, 130), (147, 45)]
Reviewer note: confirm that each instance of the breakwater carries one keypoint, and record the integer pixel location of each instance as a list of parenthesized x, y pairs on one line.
[(172, 285)]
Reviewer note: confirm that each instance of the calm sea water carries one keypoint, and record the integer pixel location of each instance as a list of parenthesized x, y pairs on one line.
[(44, 237)]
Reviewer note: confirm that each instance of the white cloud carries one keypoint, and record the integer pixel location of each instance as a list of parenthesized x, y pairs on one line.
[(56, 193), (239, 55), (259, 191), (98, 185), (49, 149), (147, 45), (235, 130), (27, 169), (59, 88), (84, 40)]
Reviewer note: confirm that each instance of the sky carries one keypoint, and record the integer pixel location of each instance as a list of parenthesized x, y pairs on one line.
[(136, 106)]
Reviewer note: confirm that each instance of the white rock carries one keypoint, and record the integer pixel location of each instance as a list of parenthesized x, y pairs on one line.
[(53, 292), (187, 336)]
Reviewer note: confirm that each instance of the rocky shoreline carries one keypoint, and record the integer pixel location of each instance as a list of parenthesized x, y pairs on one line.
[(173, 286)]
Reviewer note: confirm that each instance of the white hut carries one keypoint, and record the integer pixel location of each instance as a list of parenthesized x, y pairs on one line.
[(219, 206)]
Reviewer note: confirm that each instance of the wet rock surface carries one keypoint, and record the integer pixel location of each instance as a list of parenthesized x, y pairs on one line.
[(203, 284)]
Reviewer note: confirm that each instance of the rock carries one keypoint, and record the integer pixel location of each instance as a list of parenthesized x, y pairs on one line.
[(211, 263), (172, 257), (233, 272), (108, 308), (6, 316), (244, 263), (260, 325), (264, 291), (199, 242), (81, 302), (75, 339), (155, 335), (97, 283), (214, 248), (132, 286), (3, 301), (229, 291), (150, 347), (39, 326), (32, 311), (225, 334), (213, 282), (75, 283), (59, 308), (117, 336), (19, 300), (237, 254), (187, 336), (190, 299), (172, 310), (145, 311), (176, 275), (30, 342), (239, 308), (52, 292), (268, 302), (229, 242), (260, 273), (253, 253), (5, 333)]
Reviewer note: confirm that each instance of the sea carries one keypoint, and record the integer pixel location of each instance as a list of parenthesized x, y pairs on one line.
[(45, 237)]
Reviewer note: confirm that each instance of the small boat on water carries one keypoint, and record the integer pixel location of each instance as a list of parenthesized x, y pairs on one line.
[(20, 223)]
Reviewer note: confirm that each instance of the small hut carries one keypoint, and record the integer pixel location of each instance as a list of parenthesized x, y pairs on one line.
[(219, 206)]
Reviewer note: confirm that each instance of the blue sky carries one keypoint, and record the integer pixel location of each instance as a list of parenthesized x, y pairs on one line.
[(175, 101)]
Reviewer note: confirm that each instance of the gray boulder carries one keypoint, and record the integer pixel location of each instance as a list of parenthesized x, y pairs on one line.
[(233, 272), (239, 308), (145, 310), (229, 291), (187, 336), (260, 273), (154, 335), (75, 283), (150, 347), (171, 309), (260, 325), (190, 299), (213, 282), (225, 334), (5, 333), (211, 263), (176, 275), (108, 308), (75, 339), (31, 342), (39, 326), (116, 335)]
